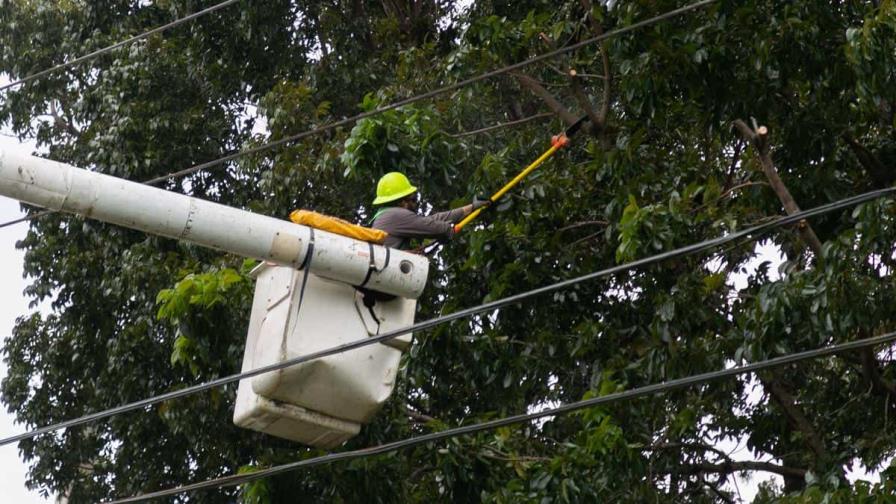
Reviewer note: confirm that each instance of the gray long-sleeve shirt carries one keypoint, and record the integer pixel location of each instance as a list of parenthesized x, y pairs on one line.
[(403, 225)]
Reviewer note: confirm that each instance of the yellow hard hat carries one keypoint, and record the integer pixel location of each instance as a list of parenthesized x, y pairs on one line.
[(393, 186)]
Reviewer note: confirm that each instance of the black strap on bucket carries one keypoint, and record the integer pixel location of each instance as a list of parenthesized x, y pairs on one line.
[(369, 300), (370, 297), (371, 268), (306, 265)]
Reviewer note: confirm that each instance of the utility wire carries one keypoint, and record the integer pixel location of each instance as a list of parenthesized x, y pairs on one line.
[(27, 218), (657, 388), (749, 234), (104, 50), (162, 178), (407, 101), (96, 54), (444, 89), (502, 125), (156, 180)]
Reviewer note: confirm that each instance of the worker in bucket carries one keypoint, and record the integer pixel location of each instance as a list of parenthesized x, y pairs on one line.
[(397, 215)]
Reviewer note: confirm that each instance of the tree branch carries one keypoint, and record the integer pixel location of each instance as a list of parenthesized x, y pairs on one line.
[(584, 102), (532, 85), (61, 122), (729, 191), (759, 139), (583, 223), (726, 466), (690, 446), (719, 493), (585, 238), (876, 170), (794, 414), (871, 372), (419, 472), (417, 416), (738, 150), (886, 112), (746, 465), (493, 454), (597, 121), (555, 69), (741, 186), (605, 59)]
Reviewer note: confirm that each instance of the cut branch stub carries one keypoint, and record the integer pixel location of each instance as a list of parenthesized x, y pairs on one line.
[(759, 139)]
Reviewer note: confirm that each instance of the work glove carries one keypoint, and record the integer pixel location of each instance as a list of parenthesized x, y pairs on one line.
[(481, 201)]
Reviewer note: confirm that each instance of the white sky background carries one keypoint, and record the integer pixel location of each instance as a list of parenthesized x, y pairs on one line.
[(746, 485), (12, 305)]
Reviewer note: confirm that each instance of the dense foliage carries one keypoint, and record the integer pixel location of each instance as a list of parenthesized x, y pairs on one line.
[(135, 315)]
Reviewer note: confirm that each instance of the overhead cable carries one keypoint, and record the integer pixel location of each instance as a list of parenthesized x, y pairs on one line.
[(156, 180), (93, 55), (502, 125), (407, 101), (657, 388), (444, 89), (747, 234), (104, 50), (27, 218)]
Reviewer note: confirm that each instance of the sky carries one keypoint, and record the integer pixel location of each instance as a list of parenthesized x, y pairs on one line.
[(12, 305)]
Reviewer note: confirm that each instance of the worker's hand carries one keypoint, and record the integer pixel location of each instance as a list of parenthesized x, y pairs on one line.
[(481, 201)]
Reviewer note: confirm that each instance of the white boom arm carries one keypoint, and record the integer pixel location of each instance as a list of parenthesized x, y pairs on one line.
[(63, 187)]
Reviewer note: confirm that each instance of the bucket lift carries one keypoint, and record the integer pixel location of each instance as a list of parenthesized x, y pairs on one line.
[(305, 297), (322, 402)]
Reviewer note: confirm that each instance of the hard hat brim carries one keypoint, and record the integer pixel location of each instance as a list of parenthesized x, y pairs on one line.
[(393, 197)]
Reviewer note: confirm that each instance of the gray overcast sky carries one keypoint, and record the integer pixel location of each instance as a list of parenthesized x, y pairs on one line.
[(12, 305)]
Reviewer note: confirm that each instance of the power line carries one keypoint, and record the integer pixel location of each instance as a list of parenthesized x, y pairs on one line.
[(156, 180), (444, 89), (748, 234), (501, 125), (657, 388), (104, 50), (27, 218), (406, 101), (96, 54)]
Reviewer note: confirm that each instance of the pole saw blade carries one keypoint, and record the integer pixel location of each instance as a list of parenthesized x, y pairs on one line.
[(576, 126)]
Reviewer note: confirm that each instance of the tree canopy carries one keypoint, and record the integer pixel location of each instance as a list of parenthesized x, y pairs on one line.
[(659, 166)]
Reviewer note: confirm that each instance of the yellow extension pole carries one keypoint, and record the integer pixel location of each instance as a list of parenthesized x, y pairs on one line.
[(516, 180)]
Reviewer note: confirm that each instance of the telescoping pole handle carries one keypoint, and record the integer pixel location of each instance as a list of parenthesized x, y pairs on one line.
[(557, 142)]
